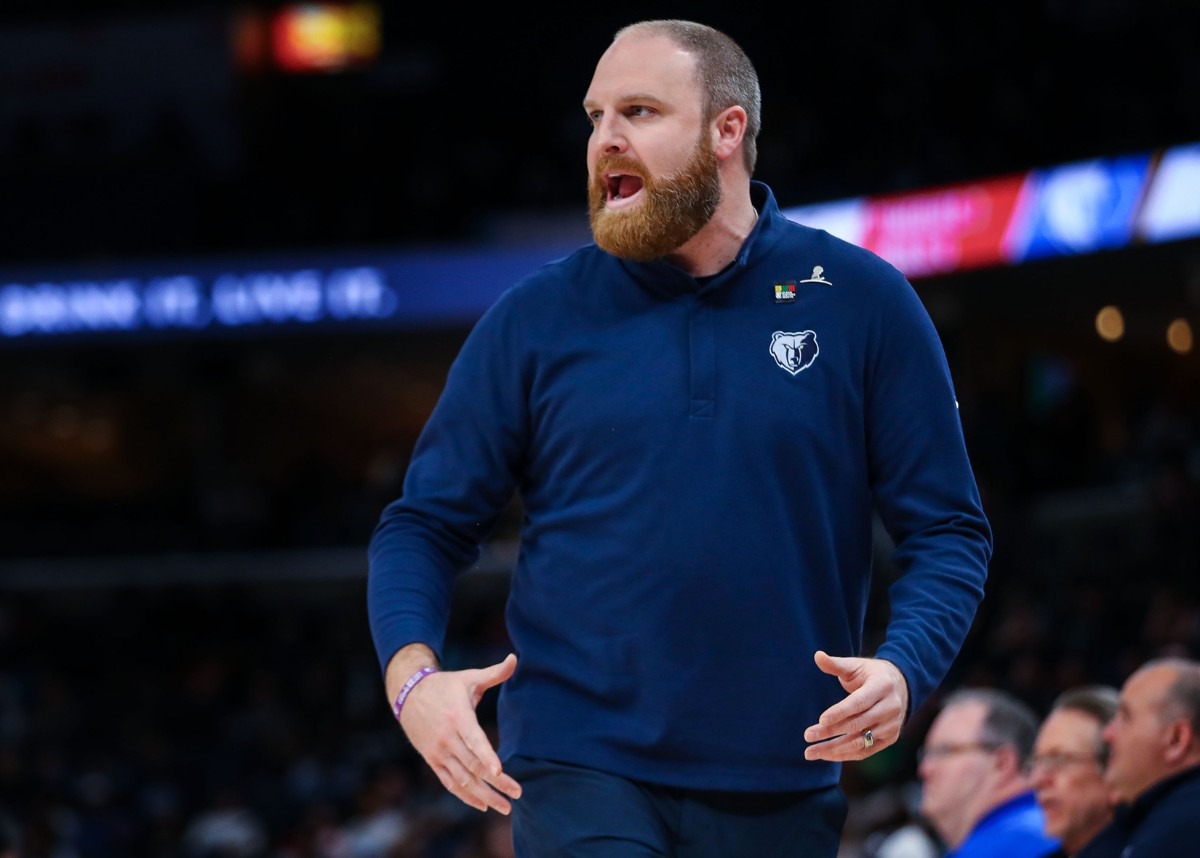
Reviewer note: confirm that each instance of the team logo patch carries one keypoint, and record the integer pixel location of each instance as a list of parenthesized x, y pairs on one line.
[(785, 292), (794, 350)]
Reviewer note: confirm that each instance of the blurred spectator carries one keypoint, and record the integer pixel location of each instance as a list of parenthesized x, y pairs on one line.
[(228, 828), (976, 793), (1067, 768), (380, 826), (1154, 764)]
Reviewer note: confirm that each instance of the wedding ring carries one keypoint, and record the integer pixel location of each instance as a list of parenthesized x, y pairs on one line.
[(868, 739)]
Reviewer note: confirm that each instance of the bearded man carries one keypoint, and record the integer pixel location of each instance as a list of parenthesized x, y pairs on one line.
[(700, 412)]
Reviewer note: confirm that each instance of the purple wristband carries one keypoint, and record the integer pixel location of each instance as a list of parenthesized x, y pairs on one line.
[(408, 687)]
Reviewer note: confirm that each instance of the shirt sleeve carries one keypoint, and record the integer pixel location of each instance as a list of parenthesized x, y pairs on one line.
[(459, 481), (925, 493)]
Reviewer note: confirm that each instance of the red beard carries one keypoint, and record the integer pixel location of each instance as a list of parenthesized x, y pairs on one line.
[(673, 209)]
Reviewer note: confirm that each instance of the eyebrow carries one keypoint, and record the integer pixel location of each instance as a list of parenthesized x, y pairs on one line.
[(630, 98)]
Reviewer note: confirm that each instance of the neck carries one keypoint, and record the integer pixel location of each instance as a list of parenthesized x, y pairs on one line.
[(1074, 841), (718, 243), (975, 811)]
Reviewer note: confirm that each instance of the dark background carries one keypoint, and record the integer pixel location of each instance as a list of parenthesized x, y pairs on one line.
[(182, 625)]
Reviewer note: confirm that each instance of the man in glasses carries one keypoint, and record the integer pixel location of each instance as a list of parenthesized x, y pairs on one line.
[(976, 793), (1154, 763), (1067, 770)]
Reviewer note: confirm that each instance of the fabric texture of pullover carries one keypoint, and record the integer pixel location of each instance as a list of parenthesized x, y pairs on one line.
[(698, 462)]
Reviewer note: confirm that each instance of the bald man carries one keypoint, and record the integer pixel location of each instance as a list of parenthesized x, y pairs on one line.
[(1154, 762)]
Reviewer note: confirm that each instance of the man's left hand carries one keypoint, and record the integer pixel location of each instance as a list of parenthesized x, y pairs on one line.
[(871, 716)]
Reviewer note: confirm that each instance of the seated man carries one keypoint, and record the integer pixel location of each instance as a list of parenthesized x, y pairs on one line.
[(1154, 762), (1067, 769), (976, 793)]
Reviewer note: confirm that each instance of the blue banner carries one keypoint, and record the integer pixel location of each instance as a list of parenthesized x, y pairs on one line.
[(421, 289)]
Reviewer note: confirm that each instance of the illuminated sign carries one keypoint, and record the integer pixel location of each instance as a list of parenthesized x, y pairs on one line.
[(395, 290), (1172, 206), (948, 229), (1078, 208), (1072, 209)]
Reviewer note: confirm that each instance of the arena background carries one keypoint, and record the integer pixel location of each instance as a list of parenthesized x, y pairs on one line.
[(185, 667)]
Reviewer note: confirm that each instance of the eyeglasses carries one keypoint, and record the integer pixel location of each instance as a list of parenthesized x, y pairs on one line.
[(1059, 761), (937, 752)]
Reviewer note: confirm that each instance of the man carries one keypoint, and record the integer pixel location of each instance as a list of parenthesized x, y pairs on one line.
[(1154, 764), (1067, 769), (975, 791), (698, 412)]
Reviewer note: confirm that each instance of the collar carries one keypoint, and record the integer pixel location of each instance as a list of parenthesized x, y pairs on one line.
[(1129, 815), (663, 277)]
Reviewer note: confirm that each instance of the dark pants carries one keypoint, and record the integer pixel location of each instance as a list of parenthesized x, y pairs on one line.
[(571, 812)]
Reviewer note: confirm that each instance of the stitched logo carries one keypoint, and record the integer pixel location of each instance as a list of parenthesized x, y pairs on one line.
[(785, 292), (794, 351)]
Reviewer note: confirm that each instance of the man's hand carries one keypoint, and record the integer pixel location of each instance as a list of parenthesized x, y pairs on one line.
[(877, 701), (439, 719)]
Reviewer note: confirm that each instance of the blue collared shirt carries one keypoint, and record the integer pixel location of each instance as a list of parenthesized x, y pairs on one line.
[(1014, 829)]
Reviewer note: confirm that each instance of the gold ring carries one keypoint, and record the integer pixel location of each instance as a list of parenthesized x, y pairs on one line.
[(868, 739)]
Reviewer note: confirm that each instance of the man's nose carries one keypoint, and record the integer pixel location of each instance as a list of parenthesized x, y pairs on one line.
[(610, 136)]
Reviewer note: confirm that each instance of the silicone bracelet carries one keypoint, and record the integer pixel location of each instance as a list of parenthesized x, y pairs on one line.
[(408, 687)]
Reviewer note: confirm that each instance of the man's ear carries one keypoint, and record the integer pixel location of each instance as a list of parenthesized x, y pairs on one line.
[(1181, 740), (729, 128), (1008, 760)]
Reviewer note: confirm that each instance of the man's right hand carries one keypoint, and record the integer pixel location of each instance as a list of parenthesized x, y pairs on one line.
[(439, 719)]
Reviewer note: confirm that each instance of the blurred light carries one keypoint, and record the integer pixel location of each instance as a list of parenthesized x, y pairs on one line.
[(319, 37), (1179, 336), (1110, 324)]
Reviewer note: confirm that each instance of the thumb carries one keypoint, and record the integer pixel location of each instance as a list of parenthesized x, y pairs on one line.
[(833, 665), (497, 673)]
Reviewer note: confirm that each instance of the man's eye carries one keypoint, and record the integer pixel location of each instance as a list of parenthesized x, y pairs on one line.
[(640, 110)]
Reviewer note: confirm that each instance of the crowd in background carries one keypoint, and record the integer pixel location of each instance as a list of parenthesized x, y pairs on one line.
[(241, 720)]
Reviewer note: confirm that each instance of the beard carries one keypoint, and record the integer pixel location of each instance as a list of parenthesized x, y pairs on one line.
[(673, 210)]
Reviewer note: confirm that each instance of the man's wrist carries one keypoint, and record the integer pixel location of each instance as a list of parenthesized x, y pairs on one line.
[(407, 687)]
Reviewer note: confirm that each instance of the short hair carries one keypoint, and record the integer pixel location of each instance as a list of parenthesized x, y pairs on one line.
[(726, 74), (1097, 701), (1007, 721)]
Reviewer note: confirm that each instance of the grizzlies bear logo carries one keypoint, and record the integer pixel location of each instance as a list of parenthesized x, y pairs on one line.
[(794, 351)]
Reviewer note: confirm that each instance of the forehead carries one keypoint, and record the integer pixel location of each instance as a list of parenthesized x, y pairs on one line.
[(644, 65), (959, 722), (1069, 730)]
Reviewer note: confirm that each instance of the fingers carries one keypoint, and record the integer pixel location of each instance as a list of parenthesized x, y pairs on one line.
[(852, 744), (471, 771), (440, 721), (841, 738), (874, 703)]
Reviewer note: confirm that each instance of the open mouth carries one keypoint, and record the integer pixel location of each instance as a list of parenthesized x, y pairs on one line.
[(622, 186)]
